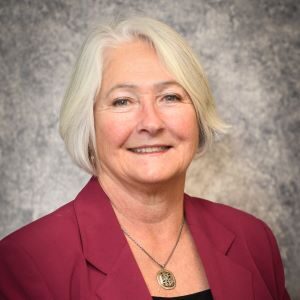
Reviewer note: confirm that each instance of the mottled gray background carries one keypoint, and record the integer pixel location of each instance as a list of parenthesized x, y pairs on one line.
[(250, 50)]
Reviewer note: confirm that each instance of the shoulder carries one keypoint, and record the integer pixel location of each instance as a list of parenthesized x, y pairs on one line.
[(53, 225), (232, 218), (254, 243), (39, 258), (248, 230), (47, 235)]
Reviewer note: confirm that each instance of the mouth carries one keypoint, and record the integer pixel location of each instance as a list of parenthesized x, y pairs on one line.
[(150, 149)]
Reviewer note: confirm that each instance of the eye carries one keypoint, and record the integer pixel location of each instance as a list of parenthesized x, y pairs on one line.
[(120, 102), (172, 98)]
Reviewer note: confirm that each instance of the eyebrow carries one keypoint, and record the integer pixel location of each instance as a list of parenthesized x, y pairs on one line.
[(158, 85)]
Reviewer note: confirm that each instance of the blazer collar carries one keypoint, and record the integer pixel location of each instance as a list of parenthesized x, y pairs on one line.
[(106, 248), (227, 278)]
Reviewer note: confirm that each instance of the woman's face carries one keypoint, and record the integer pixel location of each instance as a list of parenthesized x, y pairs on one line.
[(146, 126)]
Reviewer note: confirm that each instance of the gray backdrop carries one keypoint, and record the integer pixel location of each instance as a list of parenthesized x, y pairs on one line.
[(250, 50)]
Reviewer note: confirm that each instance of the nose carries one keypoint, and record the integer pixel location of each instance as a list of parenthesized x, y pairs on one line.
[(150, 119)]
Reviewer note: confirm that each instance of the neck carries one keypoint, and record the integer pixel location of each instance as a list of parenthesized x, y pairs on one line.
[(144, 208)]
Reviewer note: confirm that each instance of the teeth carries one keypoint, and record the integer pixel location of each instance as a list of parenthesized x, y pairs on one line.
[(149, 149)]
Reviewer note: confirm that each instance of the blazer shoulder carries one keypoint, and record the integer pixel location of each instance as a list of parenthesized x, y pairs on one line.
[(38, 260), (59, 225), (252, 235), (225, 213), (243, 224)]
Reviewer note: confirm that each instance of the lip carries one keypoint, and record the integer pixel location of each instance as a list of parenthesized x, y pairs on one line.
[(150, 149)]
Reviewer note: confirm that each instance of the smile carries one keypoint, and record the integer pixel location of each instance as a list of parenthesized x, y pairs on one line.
[(150, 149)]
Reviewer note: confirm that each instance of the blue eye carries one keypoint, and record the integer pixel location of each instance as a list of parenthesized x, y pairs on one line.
[(172, 98), (120, 102)]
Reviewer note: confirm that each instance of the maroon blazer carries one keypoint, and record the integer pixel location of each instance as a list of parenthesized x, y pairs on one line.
[(79, 252)]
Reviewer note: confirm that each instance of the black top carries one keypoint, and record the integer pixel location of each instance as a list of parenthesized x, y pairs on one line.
[(204, 295)]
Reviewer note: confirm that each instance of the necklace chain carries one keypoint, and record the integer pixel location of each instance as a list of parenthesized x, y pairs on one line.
[(148, 254)]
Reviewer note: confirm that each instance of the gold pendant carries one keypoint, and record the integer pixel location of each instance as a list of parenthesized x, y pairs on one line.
[(166, 279)]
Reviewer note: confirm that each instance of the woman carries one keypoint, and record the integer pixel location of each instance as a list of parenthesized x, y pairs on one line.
[(137, 110)]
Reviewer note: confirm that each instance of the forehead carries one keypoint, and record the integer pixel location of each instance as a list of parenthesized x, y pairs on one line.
[(131, 49), (135, 62)]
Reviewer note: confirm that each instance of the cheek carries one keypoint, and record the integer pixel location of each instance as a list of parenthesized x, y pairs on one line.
[(111, 131), (184, 124)]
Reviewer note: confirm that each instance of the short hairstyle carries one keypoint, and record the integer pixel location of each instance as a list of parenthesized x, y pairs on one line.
[(77, 114)]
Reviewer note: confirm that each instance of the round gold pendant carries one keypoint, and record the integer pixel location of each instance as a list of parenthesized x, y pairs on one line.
[(166, 279)]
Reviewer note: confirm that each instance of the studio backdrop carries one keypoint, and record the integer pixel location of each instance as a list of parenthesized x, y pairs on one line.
[(250, 51)]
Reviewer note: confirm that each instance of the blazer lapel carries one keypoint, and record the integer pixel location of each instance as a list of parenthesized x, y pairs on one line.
[(124, 281), (227, 278), (105, 247)]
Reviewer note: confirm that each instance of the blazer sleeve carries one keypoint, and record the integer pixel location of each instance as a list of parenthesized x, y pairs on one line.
[(20, 278), (278, 266)]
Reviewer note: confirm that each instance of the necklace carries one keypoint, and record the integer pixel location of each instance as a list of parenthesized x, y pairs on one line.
[(165, 278)]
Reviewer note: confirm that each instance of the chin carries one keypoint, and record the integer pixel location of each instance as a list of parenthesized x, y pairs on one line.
[(158, 177)]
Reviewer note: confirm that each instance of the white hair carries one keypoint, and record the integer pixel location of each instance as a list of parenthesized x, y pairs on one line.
[(77, 117)]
